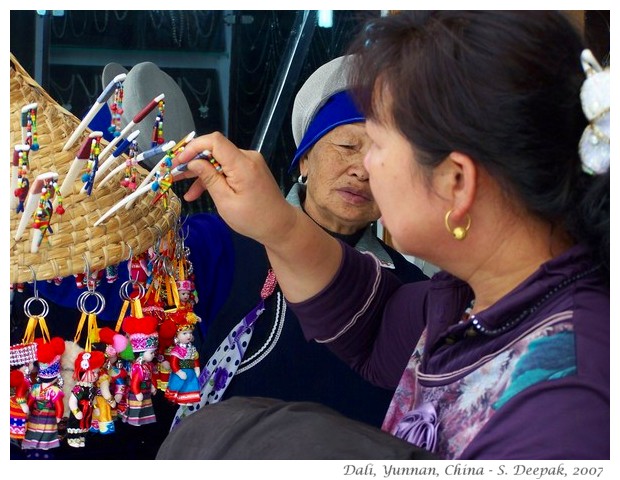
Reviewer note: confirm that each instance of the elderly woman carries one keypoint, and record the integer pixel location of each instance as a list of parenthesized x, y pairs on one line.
[(254, 345), (485, 162)]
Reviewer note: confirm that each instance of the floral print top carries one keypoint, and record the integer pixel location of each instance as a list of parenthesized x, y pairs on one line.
[(462, 407)]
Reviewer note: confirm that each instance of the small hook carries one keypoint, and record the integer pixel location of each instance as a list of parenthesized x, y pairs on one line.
[(132, 280), (34, 281), (90, 284)]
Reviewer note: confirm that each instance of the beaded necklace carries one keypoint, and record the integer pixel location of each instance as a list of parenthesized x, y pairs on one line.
[(477, 327)]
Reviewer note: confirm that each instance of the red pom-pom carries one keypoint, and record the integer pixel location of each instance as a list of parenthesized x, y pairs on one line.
[(60, 210), (167, 330), (95, 360), (17, 378), (47, 351), (146, 325), (106, 334)]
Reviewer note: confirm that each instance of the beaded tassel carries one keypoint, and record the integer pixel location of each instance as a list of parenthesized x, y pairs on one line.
[(23, 184), (158, 128), (31, 129), (59, 208), (93, 163), (43, 213), (163, 179), (130, 180), (117, 110)]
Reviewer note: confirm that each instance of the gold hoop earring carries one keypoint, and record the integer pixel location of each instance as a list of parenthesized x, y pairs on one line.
[(458, 233)]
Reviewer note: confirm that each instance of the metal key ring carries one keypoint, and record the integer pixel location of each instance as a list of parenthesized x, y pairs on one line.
[(99, 305), (44, 304), (125, 292)]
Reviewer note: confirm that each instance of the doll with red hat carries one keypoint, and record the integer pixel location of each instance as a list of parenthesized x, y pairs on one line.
[(81, 400), (23, 356), (140, 268), (183, 386), (144, 341), (45, 399)]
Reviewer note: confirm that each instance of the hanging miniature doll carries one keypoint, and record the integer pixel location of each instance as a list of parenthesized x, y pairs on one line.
[(183, 386), (111, 398), (153, 307), (45, 399), (22, 360), (119, 382), (104, 403), (167, 333), (86, 372), (67, 369), (186, 289), (144, 342), (139, 268)]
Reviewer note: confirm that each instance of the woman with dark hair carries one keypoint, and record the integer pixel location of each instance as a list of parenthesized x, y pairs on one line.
[(477, 127)]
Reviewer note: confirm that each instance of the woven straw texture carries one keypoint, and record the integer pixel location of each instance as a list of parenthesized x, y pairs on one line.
[(75, 245)]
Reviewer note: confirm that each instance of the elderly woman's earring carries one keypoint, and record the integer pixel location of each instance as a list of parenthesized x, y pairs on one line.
[(301, 179), (458, 233)]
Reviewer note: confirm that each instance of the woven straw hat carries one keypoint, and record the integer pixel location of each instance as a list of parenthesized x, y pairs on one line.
[(76, 245)]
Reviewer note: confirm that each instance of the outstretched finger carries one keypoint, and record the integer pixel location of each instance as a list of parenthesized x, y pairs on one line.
[(207, 179), (225, 154)]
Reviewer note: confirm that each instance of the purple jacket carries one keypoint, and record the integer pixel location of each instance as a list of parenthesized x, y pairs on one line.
[(553, 402)]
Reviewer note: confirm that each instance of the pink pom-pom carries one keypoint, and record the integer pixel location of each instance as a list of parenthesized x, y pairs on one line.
[(120, 342)]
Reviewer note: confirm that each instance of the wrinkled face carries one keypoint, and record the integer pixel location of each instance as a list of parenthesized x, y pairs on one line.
[(338, 194)]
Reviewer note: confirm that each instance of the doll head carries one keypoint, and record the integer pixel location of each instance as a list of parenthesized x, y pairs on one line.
[(185, 321), (186, 290), (87, 366), (142, 333), (147, 355), (183, 337)]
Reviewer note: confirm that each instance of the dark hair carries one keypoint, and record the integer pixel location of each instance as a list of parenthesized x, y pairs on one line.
[(500, 86)]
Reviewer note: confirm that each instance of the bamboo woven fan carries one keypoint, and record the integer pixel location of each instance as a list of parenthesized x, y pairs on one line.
[(75, 243)]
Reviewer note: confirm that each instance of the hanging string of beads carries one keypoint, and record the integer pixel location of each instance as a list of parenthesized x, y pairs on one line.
[(93, 164), (163, 178), (158, 128), (43, 213), (29, 123), (23, 167), (116, 108), (130, 180)]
